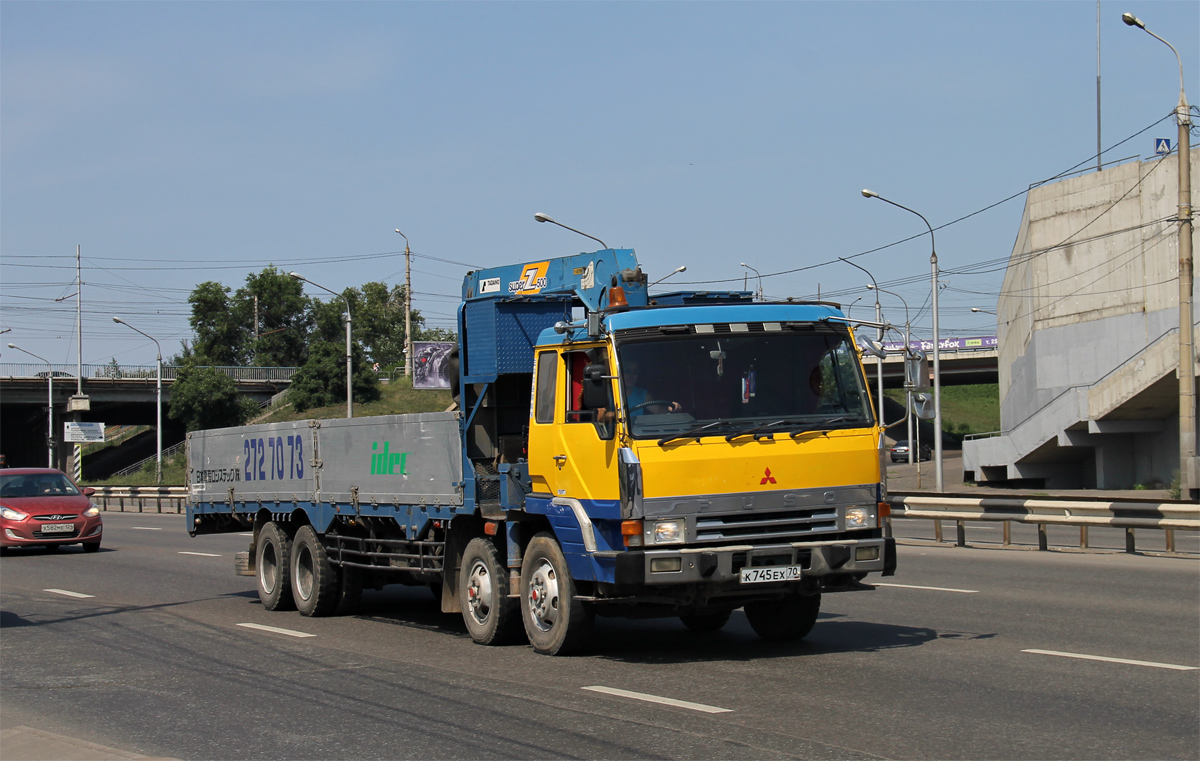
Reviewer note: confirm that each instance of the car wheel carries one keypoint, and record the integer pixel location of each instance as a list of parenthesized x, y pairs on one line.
[(53, 548), (556, 621), (491, 616), (91, 546), (791, 618), (315, 582)]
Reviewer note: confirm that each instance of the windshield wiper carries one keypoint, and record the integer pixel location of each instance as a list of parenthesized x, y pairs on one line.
[(756, 429), (819, 425), (694, 433)]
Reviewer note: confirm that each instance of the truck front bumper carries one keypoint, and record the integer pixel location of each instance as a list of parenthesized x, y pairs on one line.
[(723, 564)]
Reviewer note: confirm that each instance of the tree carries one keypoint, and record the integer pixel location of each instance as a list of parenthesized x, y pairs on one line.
[(221, 339), (284, 318), (321, 382), (204, 397)]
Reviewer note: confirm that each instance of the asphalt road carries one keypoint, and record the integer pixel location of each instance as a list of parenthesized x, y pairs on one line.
[(157, 661)]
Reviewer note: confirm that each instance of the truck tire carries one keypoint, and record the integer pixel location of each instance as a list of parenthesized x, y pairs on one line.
[(491, 616), (274, 568), (787, 619), (315, 581), (706, 622), (556, 621)]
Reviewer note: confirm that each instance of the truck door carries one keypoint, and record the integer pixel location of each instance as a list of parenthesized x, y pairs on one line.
[(572, 450), (586, 434)]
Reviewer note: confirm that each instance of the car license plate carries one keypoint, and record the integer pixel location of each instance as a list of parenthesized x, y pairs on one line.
[(57, 528), (764, 575)]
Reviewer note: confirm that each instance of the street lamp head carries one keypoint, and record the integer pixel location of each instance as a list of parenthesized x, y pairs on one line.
[(118, 319), (14, 346), (1132, 20), (870, 286), (542, 217), (297, 275), (869, 193)]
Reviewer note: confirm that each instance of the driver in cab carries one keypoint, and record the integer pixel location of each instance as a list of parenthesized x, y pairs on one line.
[(639, 398)]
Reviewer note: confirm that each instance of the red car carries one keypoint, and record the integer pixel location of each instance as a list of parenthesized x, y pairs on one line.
[(42, 507)]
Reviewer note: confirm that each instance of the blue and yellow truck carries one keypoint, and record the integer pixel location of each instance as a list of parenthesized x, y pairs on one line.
[(610, 452)]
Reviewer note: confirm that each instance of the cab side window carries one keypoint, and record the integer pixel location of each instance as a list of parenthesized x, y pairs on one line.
[(584, 406), (547, 375)]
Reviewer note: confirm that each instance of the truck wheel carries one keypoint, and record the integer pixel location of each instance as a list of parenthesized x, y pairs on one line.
[(556, 622), (492, 617), (314, 579), (706, 622), (274, 560), (790, 618)]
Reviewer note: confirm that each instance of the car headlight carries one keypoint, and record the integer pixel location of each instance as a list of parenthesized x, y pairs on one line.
[(12, 515), (668, 532), (91, 512), (860, 517)]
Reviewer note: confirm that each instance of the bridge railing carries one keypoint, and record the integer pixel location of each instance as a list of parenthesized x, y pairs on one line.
[(1130, 515), (137, 372)]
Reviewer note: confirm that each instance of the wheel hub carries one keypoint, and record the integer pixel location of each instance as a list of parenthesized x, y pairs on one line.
[(543, 596), (479, 592)]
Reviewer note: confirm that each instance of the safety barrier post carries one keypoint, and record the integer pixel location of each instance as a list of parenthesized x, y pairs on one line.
[(1007, 533), (1170, 539), (1083, 537), (1129, 541), (961, 538), (1043, 542), (937, 530)]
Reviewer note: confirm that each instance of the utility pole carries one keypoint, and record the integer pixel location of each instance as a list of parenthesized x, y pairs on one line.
[(408, 350), (256, 328)]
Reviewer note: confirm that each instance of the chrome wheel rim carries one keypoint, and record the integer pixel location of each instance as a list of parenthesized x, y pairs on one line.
[(479, 592), (304, 573), (268, 568), (543, 596)]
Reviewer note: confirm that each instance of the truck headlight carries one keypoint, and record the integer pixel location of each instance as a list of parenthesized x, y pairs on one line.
[(860, 517), (668, 532)]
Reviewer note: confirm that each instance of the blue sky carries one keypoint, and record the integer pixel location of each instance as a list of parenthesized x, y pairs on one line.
[(183, 142)]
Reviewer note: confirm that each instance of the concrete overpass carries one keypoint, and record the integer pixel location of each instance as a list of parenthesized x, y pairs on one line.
[(964, 361), (117, 396)]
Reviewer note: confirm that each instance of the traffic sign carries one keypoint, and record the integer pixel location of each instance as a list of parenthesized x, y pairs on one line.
[(1162, 146), (83, 433)]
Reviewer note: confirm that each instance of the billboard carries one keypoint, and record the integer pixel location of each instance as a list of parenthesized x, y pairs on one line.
[(431, 361)]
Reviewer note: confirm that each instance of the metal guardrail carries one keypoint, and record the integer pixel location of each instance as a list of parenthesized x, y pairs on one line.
[(136, 372), (170, 451), (141, 499), (1084, 513)]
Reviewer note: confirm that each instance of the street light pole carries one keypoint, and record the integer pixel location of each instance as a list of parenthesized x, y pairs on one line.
[(759, 276), (1187, 370), (157, 397), (878, 337), (349, 377), (540, 217), (907, 391), (49, 406), (937, 365), (408, 352)]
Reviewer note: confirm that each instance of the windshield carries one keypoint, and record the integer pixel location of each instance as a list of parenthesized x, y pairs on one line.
[(741, 384), (36, 485)]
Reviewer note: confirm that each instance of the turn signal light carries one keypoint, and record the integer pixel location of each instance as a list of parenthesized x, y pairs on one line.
[(631, 532), (885, 509), (616, 297)]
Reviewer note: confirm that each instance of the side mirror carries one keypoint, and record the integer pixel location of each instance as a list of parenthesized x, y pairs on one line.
[(88, 491), (923, 406), (874, 348), (595, 391)]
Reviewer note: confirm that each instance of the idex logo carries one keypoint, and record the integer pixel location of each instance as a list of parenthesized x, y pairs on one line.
[(387, 463)]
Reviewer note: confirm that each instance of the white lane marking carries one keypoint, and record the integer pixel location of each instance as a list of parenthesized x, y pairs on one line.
[(1106, 659), (67, 592), (246, 533), (276, 630), (144, 528), (933, 589), (656, 699), (201, 554)]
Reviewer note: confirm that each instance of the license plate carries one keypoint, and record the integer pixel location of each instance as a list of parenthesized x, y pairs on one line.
[(57, 528), (764, 575)]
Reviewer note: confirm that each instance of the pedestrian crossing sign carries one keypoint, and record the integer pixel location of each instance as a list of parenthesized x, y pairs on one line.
[(1162, 146)]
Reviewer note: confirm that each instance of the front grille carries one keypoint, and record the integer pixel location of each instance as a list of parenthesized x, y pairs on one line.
[(778, 525), (56, 534), (69, 517)]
